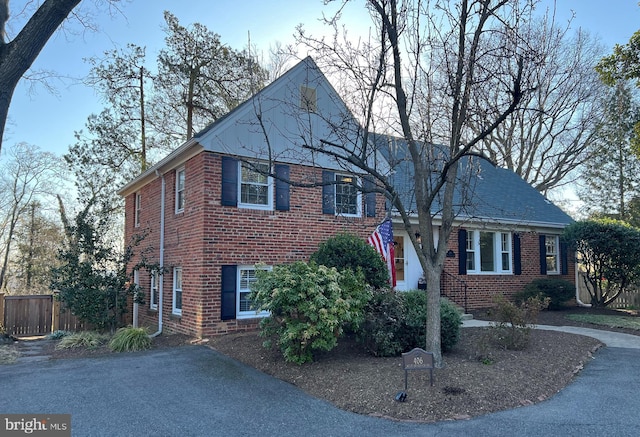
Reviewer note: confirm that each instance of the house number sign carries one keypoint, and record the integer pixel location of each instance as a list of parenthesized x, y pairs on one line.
[(417, 359)]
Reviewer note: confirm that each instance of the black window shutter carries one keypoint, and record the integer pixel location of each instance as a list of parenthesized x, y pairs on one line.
[(517, 255), (229, 181), (543, 255), (462, 252), (369, 197), (282, 187), (228, 297), (328, 192), (564, 259)]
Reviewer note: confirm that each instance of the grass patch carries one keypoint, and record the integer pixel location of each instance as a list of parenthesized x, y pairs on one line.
[(85, 339), (609, 321), (130, 340), (8, 354)]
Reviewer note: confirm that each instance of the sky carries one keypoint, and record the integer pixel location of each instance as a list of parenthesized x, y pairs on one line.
[(49, 120)]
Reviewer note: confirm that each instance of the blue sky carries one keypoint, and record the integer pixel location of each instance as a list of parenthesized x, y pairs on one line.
[(49, 121)]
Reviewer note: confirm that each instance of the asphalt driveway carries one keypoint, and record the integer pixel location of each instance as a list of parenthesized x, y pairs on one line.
[(194, 391)]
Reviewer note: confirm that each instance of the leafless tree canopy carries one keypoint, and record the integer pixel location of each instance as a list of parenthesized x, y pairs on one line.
[(550, 134), (421, 77)]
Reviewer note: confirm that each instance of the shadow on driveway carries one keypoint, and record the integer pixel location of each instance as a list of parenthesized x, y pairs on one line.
[(195, 391)]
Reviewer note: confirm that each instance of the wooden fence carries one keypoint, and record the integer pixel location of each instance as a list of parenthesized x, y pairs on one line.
[(35, 315), (628, 299)]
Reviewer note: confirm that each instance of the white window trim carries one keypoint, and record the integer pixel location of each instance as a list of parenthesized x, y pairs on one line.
[(247, 314), (270, 196), (497, 253), (154, 282), (358, 198), (174, 310), (180, 191), (136, 213), (556, 239)]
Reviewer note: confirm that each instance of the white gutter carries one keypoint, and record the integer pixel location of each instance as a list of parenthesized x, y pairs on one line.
[(161, 276)]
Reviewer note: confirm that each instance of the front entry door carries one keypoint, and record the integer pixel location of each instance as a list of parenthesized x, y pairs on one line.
[(400, 261)]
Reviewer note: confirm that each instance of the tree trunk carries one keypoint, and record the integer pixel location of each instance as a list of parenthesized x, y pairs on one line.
[(432, 276), (17, 56)]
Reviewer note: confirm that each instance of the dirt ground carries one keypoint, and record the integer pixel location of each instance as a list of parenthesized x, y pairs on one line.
[(477, 378)]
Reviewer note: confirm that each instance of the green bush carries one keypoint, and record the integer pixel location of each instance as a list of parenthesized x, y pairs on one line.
[(85, 339), (57, 335), (130, 339), (395, 322), (557, 290), (310, 306), (513, 323), (344, 251)]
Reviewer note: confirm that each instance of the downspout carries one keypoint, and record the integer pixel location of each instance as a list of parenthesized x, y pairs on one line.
[(161, 276), (578, 301)]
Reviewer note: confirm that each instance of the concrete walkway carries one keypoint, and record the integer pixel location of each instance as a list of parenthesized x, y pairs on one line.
[(609, 338)]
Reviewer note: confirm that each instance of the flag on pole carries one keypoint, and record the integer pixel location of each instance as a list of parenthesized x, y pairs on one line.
[(382, 242)]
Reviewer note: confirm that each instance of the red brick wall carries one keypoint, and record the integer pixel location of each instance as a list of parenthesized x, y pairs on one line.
[(207, 235), (482, 288)]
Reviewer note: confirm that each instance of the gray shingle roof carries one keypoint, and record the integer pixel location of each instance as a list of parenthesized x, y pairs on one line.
[(483, 191)]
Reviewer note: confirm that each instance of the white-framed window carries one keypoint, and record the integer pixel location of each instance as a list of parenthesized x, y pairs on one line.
[(246, 277), (551, 248), (471, 251), (348, 199), (255, 187), (136, 214), (180, 176), (153, 290), (177, 291), (308, 99), (488, 252)]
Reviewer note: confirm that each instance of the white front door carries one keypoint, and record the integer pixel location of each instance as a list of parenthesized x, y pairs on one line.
[(400, 261)]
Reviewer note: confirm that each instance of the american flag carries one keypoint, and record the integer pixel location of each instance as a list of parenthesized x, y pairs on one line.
[(382, 242)]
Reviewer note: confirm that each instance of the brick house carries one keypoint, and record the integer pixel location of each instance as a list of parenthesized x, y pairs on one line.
[(211, 213)]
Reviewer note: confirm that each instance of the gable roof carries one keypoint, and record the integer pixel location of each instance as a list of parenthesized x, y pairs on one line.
[(269, 126), (484, 191), (272, 125)]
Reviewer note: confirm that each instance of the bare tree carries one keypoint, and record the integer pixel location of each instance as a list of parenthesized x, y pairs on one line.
[(551, 133), (17, 55), (421, 79), (26, 176)]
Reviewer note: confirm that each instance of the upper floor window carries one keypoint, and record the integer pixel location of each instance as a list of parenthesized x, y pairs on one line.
[(136, 214), (180, 176), (308, 99), (551, 250), (255, 187), (348, 198), (488, 252)]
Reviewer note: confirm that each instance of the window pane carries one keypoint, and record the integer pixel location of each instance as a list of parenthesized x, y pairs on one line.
[(471, 254), (255, 173), (487, 252), (552, 254), (506, 252), (506, 260), (178, 300), (254, 185), (346, 196), (247, 277)]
